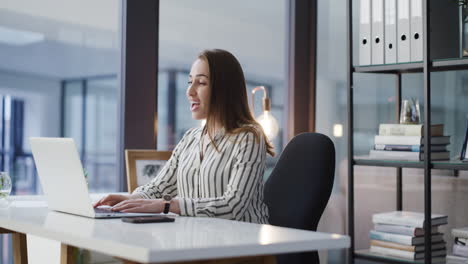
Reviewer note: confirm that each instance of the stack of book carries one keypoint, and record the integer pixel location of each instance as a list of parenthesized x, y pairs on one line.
[(460, 246), (406, 142), (400, 234)]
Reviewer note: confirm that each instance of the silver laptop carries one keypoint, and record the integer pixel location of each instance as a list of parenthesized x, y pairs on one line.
[(63, 181)]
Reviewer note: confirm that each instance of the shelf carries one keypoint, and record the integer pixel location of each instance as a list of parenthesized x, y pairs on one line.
[(442, 165), (388, 163), (454, 64), (391, 68), (450, 165), (366, 254)]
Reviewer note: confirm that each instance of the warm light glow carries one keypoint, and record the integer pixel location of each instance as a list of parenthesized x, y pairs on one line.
[(267, 235), (336, 236), (269, 124), (338, 130), (266, 120)]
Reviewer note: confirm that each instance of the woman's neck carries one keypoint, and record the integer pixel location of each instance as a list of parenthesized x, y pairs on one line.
[(217, 127)]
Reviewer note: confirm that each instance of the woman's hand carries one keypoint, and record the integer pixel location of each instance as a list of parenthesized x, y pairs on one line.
[(140, 206), (113, 199)]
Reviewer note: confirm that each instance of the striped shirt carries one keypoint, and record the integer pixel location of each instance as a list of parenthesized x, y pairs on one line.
[(226, 184)]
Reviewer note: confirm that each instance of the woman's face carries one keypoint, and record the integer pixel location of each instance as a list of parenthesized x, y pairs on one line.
[(199, 89)]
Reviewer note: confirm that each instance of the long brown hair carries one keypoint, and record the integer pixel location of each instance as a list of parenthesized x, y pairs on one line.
[(229, 105)]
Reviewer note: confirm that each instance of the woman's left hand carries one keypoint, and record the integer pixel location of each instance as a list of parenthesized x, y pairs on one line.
[(140, 206)]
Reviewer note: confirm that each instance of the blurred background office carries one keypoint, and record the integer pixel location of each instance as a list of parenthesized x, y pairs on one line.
[(61, 68)]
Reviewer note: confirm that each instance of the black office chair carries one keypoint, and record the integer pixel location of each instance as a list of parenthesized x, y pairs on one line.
[(299, 187)]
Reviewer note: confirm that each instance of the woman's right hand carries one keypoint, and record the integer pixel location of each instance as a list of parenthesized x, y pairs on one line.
[(112, 199)]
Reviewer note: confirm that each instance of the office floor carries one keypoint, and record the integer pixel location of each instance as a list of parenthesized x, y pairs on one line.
[(357, 261), (339, 257)]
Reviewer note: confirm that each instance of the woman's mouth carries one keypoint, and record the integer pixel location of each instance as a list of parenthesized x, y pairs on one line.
[(195, 106)]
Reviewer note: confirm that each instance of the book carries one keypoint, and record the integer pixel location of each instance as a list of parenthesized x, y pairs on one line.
[(460, 250), (405, 254), (416, 248), (460, 232), (409, 140), (407, 218), (403, 230), (414, 148), (409, 130), (392, 259), (402, 239), (407, 155)]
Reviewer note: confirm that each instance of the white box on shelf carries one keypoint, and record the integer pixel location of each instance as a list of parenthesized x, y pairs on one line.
[(390, 32), (416, 29), (378, 38), (365, 32), (403, 31)]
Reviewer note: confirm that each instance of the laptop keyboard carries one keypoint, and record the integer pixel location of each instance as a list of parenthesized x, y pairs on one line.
[(105, 211)]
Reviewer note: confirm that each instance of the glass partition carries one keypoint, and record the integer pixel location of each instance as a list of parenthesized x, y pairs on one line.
[(53, 57)]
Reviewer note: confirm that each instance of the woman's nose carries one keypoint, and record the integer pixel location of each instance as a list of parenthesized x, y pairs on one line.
[(190, 90)]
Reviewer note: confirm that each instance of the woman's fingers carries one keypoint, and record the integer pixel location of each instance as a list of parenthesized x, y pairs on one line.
[(147, 207), (137, 206), (98, 203), (123, 207), (110, 200), (103, 201), (138, 209), (121, 203), (127, 203)]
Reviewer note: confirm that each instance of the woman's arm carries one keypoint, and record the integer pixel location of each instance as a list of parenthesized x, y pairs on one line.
[(146, 198), (246, 174), (146, 206)]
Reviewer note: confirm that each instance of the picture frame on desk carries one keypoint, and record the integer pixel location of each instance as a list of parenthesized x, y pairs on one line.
[(143, 165), (464, 152)]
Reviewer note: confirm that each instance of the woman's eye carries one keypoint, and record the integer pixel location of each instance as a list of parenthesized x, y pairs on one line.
[(189, 82)]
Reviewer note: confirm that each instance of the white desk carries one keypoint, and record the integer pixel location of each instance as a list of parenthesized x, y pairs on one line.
[(187, 239)]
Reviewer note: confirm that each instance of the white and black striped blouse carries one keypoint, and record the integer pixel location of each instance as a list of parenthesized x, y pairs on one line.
[(226, 184)]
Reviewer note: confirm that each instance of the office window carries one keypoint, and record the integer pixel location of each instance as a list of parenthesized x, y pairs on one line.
[(90, 118), (254, 31), (58, 78)]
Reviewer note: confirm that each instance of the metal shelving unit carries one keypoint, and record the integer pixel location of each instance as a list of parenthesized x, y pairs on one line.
[(440, 165), (456, 64), (425, 67)]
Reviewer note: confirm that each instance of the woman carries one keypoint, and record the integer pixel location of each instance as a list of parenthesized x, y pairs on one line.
[(214, 171)]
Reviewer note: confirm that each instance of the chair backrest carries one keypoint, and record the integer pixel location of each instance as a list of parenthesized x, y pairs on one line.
[(143, 165), (299, 187)]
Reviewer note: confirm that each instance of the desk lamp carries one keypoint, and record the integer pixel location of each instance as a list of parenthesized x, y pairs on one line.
[(266, 120)]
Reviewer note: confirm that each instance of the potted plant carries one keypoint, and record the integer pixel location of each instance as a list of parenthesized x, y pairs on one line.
[(5, 185)]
